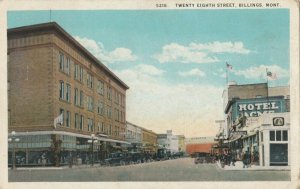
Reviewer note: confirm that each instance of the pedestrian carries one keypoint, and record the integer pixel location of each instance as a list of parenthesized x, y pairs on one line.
[(233, 159), (244, 158)]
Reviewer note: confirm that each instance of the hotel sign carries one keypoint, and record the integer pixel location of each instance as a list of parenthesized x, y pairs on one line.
[(256, 107)]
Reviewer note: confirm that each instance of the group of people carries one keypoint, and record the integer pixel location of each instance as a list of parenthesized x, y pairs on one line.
[(229, 158), (249, 158)]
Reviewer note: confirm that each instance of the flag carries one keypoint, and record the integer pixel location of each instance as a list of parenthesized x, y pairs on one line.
[(59, 119), (228, 66), (271, 75)]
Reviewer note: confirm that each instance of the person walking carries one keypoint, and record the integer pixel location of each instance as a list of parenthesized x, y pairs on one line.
[(244, 158)]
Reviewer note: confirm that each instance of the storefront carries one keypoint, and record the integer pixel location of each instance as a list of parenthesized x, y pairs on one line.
[(274, 144), (48, 148)]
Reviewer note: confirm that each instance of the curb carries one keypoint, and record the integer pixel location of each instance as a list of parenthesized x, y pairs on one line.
[(252, 169)]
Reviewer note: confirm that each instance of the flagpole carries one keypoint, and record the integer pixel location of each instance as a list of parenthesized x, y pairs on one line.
[(226, 74), (267, 87)]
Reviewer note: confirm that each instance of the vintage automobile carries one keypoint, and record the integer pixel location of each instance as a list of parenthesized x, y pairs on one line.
[(135, 157), (201, 157), (117, 158)]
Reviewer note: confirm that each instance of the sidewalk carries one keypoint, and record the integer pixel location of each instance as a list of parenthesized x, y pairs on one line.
[(239, 167)]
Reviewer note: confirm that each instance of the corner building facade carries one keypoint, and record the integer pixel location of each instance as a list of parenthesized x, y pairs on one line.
[(50, 75)]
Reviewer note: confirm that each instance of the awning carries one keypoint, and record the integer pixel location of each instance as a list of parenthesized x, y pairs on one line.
[(69, 134), (112, 140), (249, 135), (234, 138)]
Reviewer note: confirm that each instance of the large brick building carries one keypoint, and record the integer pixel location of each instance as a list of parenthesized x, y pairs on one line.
[(50, 75)]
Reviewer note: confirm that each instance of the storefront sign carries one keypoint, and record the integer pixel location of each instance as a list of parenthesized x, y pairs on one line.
[(256, 107), (239, 133), (278, 121)]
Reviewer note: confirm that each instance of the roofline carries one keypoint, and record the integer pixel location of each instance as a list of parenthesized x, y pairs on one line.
[(54, 26), (249, 84)]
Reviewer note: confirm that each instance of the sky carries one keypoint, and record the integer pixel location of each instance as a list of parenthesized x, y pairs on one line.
[(174, 61)]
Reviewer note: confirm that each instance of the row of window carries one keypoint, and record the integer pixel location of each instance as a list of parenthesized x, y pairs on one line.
[(279, 135), (65, 67), (65, 94), (79, 124)]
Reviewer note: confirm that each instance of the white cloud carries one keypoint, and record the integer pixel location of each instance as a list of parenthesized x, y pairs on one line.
[(221, 47), (97, 49), (256, 72), (175, 52), (193, 72), (157, 105), (198, 52)]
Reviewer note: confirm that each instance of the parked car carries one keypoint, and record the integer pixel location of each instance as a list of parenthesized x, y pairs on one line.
[(201, 157), (136, 157), (117, 158)]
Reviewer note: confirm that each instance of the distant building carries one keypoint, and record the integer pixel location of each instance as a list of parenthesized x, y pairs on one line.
[(199, 144), (133, 136), (181, 143), (168, 141), (149, 140)]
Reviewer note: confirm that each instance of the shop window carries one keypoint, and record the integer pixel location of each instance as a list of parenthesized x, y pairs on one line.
[(272, 135)]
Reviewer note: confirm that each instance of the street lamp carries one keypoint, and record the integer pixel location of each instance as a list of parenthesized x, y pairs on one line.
[(13, 139), (92, 142)]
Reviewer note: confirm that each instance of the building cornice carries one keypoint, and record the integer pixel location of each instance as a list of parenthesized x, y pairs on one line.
[(53, 27)]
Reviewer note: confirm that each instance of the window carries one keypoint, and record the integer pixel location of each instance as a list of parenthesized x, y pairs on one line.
[(109, 130), (76, 97), (81, 73), (90, 125), (100, 108), (81, 98), (109, 93), (100, 87), (89, 80), (61, 90), (284, 136), (61, 61), (61, 112), (98, 128), (279, 135), (68, 66), (81, 122), (272, 135), (68, 93), (116, 96), (68, 119), (76, 121), (90, 103), (102, 127), (109, 113), (76, 71)]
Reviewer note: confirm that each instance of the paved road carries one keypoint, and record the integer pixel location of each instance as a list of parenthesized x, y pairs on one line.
[(172, 170)]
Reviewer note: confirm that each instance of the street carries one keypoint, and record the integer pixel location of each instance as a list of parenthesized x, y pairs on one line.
[(182, 169)]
